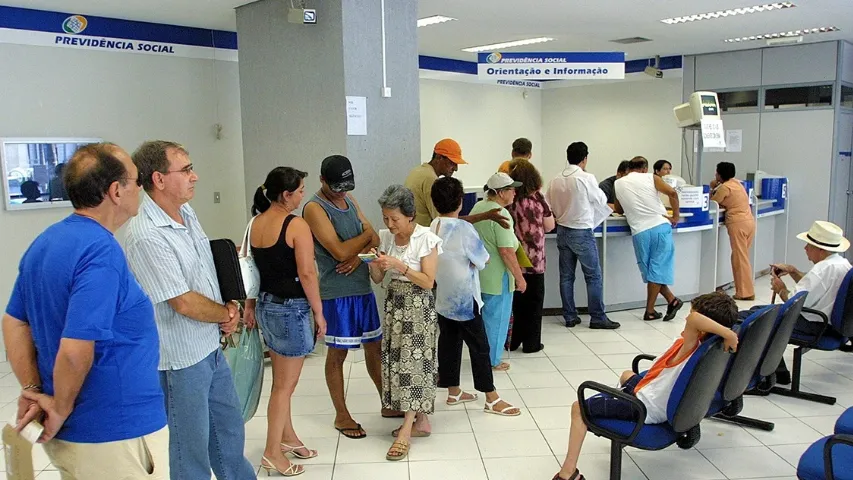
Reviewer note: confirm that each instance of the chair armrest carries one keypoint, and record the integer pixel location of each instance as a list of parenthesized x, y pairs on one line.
[(636, 405), (827, 452), (824, 319), (635, 365)]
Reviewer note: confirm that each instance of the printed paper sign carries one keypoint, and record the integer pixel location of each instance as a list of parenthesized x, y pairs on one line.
[(712, 133), (551, 66), (734, 141), (691, 197), (356, 115)]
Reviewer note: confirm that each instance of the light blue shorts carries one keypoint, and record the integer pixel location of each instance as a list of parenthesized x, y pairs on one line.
[(655, 254)]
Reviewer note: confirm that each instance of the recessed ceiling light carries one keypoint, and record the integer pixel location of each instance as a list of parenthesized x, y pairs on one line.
[(792, 33), (500, 46), (729, 13), (433, 20)]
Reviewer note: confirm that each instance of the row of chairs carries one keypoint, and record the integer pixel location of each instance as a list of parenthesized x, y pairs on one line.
[(713, 382)]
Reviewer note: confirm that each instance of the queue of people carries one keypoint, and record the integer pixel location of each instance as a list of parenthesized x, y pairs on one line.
[(118, 354)]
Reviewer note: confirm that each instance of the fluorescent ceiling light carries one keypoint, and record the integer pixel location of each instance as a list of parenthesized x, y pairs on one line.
[(501, 46), (729, 13), (433, 20), (792, 33)]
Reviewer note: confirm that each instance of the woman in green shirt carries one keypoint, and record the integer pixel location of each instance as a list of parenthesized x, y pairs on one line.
[(502, 276)]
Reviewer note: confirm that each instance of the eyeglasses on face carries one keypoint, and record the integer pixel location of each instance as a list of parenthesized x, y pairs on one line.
[(186, 170)]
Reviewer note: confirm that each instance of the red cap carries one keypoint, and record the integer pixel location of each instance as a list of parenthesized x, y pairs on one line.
[(450, 149)]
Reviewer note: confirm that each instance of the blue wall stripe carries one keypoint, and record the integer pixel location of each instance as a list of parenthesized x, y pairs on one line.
[(51, 22), (447, 65)]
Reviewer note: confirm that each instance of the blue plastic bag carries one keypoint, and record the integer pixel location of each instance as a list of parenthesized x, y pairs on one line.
[(245, 355)]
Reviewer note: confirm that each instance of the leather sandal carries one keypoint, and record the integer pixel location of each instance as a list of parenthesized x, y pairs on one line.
[(398, 451)]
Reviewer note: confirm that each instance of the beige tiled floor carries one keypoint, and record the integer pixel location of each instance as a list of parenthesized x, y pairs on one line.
[(470, 445)]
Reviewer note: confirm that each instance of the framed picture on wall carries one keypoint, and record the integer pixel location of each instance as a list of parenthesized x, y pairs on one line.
[(32, 171)]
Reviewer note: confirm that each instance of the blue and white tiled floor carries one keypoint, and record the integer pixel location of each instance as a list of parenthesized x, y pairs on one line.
[(469, 445)]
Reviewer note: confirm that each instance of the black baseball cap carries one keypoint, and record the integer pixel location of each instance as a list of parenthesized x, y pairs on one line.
[(336, 170)]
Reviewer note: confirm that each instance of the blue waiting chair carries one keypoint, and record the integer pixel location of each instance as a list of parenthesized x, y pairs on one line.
[(844, 424), (753, 337), (830, 458), (834, 335), (688, 403), (765, 376)]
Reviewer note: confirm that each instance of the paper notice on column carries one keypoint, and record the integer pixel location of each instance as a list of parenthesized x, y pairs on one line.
[(734, 141), (356, 115)]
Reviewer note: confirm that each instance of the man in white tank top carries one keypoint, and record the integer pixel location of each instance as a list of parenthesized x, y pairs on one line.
[(638, 197)]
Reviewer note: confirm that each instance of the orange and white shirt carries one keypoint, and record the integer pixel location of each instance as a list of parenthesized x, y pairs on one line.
[(656, 387)]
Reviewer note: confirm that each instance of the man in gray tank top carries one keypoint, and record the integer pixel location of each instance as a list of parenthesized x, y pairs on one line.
[(341, 232)]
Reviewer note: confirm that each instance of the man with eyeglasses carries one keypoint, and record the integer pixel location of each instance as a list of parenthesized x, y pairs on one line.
[(171, 257), (84, 333)]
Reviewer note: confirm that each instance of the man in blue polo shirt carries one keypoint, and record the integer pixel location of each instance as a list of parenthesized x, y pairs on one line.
[(80, 329)]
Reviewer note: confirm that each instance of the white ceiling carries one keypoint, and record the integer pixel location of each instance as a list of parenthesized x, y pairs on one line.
[(577, 26)]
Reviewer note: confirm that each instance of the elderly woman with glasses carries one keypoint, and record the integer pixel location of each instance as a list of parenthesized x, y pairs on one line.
[(408, 255)]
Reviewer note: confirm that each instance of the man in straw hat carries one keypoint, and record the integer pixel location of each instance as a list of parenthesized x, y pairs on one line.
[(824, 243)]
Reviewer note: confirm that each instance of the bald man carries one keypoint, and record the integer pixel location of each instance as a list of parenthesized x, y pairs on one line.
[(80, 333)]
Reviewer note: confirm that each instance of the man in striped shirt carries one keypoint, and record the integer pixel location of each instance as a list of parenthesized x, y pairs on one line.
[(170, 255)]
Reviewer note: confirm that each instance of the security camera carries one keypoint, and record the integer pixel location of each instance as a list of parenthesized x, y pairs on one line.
[(654, 70), (304, 16)]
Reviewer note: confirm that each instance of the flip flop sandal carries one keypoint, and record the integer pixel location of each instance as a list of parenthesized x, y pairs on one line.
[(358, 436), (490, 408), (401, 448), (502, 367), (458, 400)]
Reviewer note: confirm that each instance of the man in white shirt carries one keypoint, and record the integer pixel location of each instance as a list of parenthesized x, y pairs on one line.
[(579, 206), (824, 243), (638, 197)]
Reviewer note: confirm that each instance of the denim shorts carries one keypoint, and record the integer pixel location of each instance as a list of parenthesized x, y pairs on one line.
[(286, 324)]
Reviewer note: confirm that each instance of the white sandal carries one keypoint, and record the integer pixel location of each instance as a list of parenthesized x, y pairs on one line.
[(490, 408), (458, 400)]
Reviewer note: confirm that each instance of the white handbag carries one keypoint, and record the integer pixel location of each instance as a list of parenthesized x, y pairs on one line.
[(248, 268)]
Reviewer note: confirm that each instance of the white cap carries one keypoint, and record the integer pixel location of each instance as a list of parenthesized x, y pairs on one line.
[(501, 180)]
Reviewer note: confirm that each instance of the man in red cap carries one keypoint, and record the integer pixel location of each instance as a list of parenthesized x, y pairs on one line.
[(446, 158)]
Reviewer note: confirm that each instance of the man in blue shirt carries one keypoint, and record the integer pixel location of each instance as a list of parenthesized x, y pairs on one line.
[(80, 329)]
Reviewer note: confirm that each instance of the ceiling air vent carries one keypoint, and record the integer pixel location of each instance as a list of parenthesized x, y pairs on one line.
[(630, 40)]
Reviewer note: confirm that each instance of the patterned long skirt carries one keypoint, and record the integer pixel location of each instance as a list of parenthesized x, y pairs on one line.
[(409, 364)]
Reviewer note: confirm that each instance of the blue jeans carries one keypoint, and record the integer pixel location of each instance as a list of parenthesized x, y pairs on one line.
[(574, 245), (205, 425)]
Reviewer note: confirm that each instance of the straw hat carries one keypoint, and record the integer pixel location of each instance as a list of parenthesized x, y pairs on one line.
[(826, 236)]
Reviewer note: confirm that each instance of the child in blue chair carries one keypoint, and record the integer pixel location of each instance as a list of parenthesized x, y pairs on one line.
[(713, 313)]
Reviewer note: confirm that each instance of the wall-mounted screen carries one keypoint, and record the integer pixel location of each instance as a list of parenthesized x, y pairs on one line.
[(32, 169)]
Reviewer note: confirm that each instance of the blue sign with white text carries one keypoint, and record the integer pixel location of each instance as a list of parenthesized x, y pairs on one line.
[(551, 66)]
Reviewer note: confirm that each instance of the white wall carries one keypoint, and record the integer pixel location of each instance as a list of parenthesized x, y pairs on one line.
[(484, 119), (617, 121), (126, 99)]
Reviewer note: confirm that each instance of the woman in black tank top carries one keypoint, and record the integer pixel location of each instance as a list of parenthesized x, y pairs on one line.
[(283, 249)]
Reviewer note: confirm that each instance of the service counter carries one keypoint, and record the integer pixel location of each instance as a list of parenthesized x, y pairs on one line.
[(623, 285), (702, 249)]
